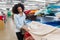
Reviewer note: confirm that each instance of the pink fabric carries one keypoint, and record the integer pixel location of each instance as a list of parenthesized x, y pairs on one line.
[(4, 16)]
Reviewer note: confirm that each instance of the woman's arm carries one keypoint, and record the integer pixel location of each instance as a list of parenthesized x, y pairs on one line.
[(19, 26), (25, 28)]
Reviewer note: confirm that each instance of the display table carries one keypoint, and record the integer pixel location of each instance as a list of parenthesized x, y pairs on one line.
[(2, 20), (1, 25), (52, 36), (51, 33)]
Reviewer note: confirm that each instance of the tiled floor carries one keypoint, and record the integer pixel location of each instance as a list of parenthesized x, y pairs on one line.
[(8, 33)]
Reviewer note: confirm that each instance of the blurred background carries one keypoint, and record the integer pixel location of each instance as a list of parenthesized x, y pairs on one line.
[(44, 11), (31, 4)]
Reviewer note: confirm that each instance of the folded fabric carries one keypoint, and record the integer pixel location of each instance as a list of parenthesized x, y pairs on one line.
[(40, 29)]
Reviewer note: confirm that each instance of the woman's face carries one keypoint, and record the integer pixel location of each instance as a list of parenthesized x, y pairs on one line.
[(19, 9)]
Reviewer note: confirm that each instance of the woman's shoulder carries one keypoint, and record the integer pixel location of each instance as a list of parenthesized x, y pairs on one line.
[(15, 15)]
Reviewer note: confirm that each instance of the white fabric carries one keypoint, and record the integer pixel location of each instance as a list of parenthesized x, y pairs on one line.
[(40, 29)]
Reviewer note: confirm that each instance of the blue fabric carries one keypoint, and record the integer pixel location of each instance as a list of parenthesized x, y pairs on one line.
[(54, 6), (55, 23)]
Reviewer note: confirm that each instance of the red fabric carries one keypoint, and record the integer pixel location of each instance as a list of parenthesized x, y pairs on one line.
[(1, 17), (27, 12), (26, 35)]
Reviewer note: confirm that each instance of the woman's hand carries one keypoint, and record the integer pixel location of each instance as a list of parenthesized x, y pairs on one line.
[(25, 28)]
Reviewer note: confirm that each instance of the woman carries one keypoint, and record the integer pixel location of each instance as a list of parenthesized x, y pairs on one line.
[(19, 19)]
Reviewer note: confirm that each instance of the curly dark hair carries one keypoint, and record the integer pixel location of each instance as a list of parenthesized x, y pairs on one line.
[(14, 9)]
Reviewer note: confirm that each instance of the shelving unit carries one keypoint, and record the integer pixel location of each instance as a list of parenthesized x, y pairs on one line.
[(34, 4)]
